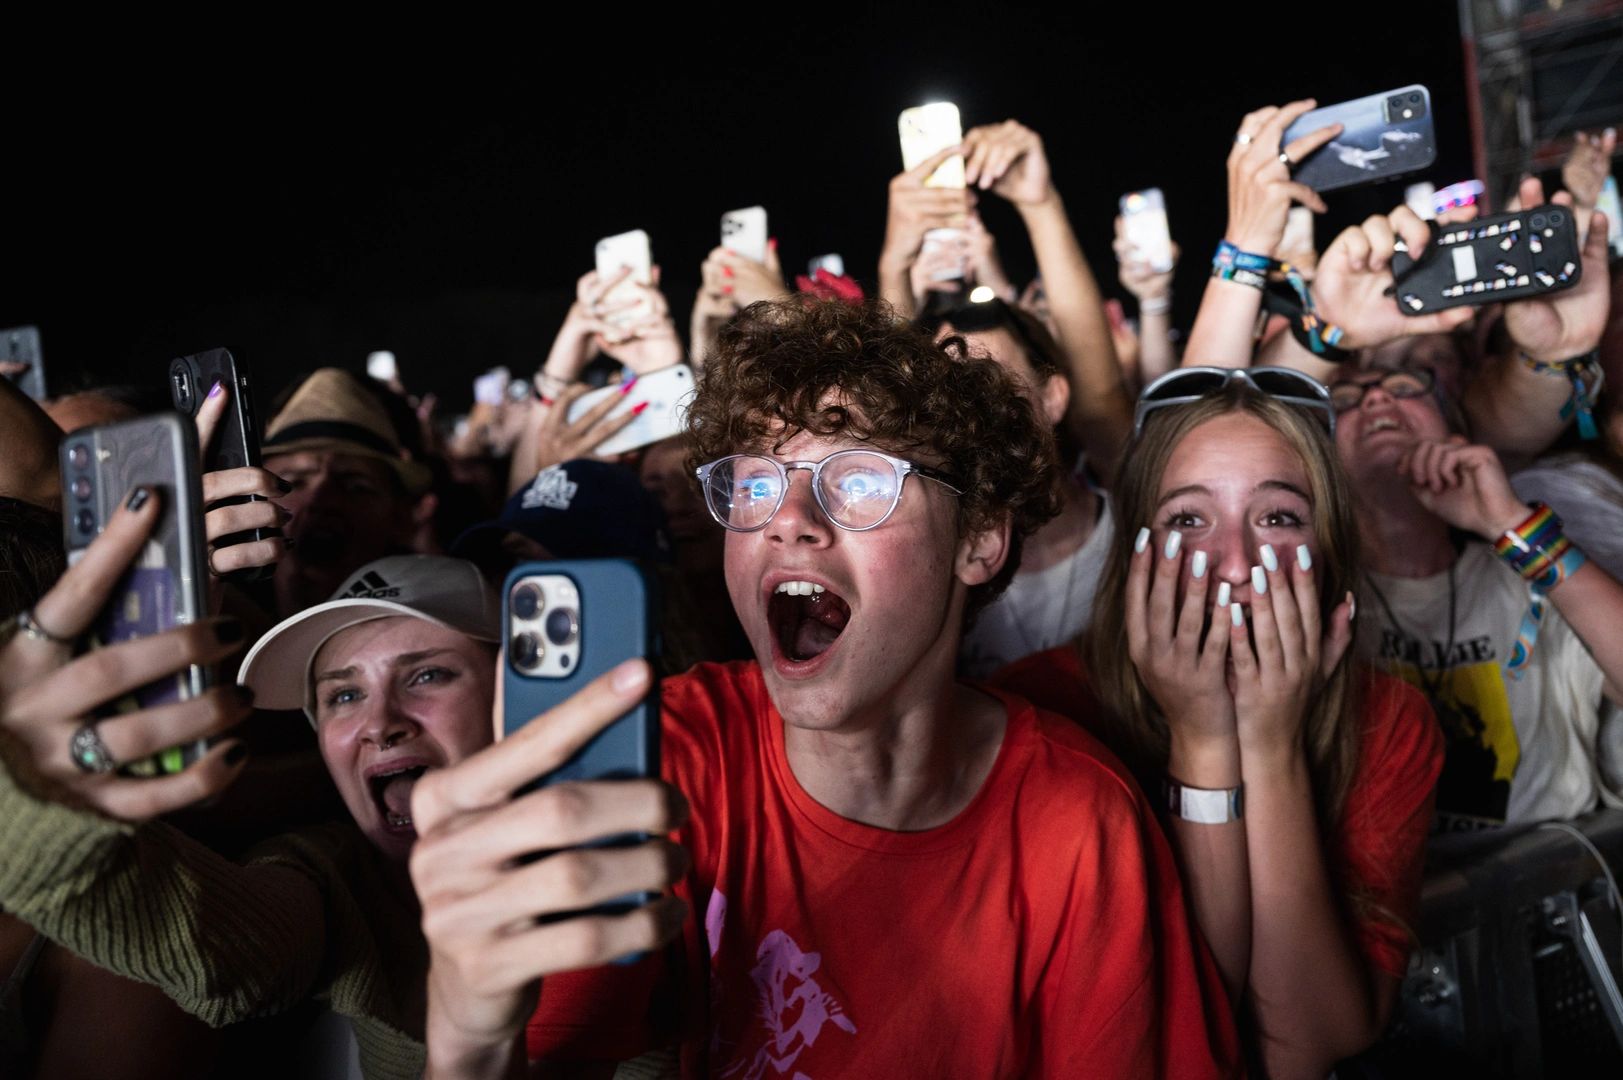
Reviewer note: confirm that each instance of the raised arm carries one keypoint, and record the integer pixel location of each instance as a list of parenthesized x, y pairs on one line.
[(1009, 160)]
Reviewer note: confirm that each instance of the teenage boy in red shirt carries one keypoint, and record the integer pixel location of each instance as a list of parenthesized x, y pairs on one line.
[(892, 873)]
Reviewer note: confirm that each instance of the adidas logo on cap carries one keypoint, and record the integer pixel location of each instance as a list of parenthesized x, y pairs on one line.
[(370, 586)]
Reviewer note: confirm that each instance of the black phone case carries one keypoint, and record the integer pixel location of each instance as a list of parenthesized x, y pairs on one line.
[(1377, 141), (616, 623), (236, 441), (20, 345), (167, 586), (1490, 260)]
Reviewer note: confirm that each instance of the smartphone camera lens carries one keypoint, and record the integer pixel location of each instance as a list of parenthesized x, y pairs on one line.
[(526, 651), (1414, 99), (526, 602), (1538, 221), (81, 488), (85, 522), (1556, 217), (562, 626), (79, 456)]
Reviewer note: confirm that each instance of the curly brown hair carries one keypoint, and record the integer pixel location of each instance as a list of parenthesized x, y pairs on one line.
[(782, 367)]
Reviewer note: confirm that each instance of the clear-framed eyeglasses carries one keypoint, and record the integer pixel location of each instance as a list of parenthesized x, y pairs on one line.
[(856, 489)]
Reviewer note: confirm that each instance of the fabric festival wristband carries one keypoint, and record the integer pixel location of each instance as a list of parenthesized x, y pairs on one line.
[(1583, 397), (1533, 547), (1569, 562), (1240, 276), (1230, 256), (1205, 806)]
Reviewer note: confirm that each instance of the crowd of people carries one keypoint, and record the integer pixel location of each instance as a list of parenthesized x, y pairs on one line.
[(1039, 694)]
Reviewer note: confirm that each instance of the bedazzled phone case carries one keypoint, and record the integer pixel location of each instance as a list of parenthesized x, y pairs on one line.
[(1490, 260)]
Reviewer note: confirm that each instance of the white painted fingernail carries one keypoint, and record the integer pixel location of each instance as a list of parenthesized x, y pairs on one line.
[(1174, 542), (1223, 591), (1142, 541), (1270, 561), (1304, 557), (1259, 582), (1237, 614), (1197, 565), (1352, 607)]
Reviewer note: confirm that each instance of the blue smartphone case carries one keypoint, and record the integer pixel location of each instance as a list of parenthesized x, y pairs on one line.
[(1378, 141)]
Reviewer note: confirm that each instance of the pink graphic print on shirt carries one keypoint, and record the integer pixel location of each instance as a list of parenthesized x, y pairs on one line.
[(790, 1005)]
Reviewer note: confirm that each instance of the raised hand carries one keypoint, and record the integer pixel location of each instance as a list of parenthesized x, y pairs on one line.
[(1260, 188), (559, 439), (1569, 323), (1135, 273), (224, 521), (482, 893), (916, 209), (1008, 160), (47, 697), (1350, 289), (742, 280)]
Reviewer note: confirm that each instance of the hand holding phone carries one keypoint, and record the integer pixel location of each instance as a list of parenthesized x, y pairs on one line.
[(744, 232), (1144, 226), (1382, 136), (622, 261), (22, 360), (1568, 319), (479, 870), (655, 406), (928, 204), (47, 695), (1260, 187)]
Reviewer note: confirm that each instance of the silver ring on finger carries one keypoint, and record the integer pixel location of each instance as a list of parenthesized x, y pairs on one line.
[(1285, 159), (1244, 138), (89, 753), (29, 627)]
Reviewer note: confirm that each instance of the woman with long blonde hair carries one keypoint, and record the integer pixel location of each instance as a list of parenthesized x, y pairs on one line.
[(1297, 783)]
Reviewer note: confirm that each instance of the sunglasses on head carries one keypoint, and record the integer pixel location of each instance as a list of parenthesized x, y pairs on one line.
[(967, 317), (1191, 384)]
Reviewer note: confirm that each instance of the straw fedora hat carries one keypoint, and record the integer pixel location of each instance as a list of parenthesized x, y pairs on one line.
[(331, 410)]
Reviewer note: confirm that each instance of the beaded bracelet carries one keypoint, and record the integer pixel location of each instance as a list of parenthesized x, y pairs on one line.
[(1583, 397)]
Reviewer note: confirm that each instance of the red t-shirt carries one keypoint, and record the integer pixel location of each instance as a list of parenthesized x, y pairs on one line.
[(1378, 847), (1041, 932)]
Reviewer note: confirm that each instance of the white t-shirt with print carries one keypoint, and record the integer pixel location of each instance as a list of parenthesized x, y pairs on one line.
[(1519, 749)]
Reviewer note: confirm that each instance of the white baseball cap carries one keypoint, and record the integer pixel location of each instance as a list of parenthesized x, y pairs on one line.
[(447, 592)]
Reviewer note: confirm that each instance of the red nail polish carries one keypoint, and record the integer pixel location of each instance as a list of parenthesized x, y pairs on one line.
[(625, 387), (726, 271), (727, 289), (772, 243), (636, 410)]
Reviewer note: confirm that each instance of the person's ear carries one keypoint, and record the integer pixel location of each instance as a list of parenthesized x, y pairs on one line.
[(1056, 398), (982, 554)]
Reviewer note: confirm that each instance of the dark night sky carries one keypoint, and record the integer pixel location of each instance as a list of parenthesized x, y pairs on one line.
[(306, 207)]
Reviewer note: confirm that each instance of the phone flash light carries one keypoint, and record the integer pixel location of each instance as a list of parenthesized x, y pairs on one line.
[(1407, 113), (1135, 202), (982, 294)]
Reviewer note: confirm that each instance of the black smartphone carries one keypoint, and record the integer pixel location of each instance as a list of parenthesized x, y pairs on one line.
[(167, 585), (22, 361), (1489, 260), (236, 440), (1383, 135), (564, 623)]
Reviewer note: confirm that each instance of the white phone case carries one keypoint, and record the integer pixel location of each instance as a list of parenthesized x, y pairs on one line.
[(667, 393), (926, 130), (615, 253), (744, 231), (1144, 220)]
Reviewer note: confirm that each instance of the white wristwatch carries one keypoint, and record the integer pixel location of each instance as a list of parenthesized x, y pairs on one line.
[(1205, 806)]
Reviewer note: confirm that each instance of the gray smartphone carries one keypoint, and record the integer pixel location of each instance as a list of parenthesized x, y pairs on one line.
[(22, 361), (1383, 135)]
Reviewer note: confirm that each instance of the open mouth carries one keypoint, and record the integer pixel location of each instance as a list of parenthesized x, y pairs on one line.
[(391, 791), (806, 619)]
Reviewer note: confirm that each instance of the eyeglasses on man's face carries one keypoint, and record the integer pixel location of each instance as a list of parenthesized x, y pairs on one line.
[(856, 489)]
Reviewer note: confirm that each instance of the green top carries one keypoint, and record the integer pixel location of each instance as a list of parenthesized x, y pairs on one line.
[(307, 916)]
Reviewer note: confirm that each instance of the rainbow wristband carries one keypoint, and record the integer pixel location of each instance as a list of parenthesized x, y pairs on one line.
[(1228, 256), (1535, 545)]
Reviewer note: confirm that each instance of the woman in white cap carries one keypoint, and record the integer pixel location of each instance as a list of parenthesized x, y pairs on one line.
[(396, 673)]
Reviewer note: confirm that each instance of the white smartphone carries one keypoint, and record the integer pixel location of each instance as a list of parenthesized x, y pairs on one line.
[(615, 253), (832, 262), (381, 366), (744, 231), (491, 387), (1144, 220), (666, 393), (1421, 199), (927, 130)]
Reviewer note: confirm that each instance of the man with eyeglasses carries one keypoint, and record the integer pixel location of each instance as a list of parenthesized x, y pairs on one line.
[(893, 873)]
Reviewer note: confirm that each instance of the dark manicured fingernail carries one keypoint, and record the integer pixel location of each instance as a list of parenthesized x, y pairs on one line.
[(138, 498), (246, 693), (236, 753), (284, 486), (214, 391), (287, 515), (228, 631)]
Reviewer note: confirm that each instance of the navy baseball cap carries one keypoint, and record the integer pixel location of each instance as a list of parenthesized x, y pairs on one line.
[(582, 509)]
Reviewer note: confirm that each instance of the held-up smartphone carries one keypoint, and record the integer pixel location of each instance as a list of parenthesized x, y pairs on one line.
[(564, 623), (1612, 207), (167, 584), (491, 387), (665, 392), (1383, 135), (236, 440), (926, 130), (20, 347), (615, 253), (381, 366), (1144, 221), (744, 231), (1489, 260)]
